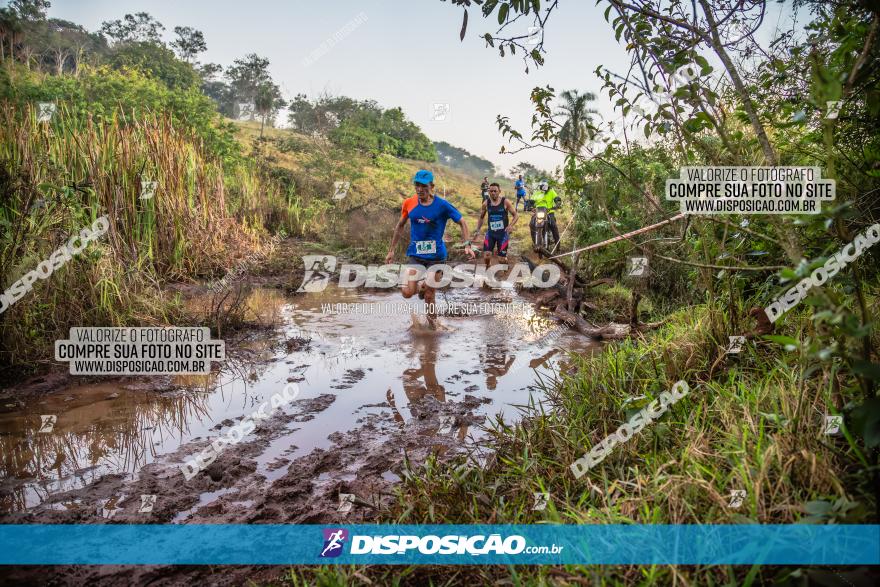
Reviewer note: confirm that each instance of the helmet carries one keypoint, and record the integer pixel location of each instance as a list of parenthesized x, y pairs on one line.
[(542, 185)]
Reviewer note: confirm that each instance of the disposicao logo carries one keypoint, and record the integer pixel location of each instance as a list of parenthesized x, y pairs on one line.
[(317, 274), (333, 541), (319, 270)]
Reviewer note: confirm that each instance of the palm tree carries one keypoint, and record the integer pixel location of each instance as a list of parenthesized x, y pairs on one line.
[(267, 101), (578, 126)]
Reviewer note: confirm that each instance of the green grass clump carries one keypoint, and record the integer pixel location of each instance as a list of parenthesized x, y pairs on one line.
[(750, 422)]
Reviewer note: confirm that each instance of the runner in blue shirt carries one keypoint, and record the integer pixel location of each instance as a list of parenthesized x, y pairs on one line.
[(520, 186), (427, 215)]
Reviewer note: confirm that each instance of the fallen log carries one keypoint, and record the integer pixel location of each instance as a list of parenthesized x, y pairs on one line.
[(602, 281), (544, 299), (566, 270), (612, 331), (561, 285)]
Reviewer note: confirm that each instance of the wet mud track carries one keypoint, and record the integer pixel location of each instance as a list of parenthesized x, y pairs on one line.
[(373, 392)]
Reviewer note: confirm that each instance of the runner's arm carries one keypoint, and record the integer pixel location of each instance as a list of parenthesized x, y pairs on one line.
[(395, 237), (512, 209), (465, 235)]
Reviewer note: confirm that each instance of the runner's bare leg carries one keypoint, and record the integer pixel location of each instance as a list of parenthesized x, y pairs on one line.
[(430, 296), (411, 286)]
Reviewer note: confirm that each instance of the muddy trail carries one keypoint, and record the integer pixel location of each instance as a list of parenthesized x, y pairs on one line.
[(374, 389)]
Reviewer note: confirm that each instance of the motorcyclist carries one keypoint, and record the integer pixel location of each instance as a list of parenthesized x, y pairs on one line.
[(545, 197)]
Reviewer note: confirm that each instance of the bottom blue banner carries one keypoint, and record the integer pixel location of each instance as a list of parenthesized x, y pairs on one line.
[(439, 544)]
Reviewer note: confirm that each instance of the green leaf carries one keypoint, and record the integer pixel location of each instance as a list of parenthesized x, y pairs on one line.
[(705, 68), (867, 369), (788, 342), (502, 13), (788, 274), (693, 125), (865, 422), (818, 508)]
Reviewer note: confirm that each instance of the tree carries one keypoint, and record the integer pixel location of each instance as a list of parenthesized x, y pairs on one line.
[(222, 95), (65, 43), (9, 28), (374, 131), (137, 28), (462, 159), (209, 71), (30, 10), (325, 113), (20, 20), (529, 172), (189, 43), (157, 61), (267, 102), (247, 76), (578, 125)]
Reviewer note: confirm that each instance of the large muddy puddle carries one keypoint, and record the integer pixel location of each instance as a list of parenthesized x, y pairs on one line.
[(389, 372)]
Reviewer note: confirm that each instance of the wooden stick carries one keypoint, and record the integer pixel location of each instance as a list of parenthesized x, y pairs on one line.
[(624, 236), (571, 280)]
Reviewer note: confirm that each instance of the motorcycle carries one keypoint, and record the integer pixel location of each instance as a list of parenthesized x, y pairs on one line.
[(543, 234)]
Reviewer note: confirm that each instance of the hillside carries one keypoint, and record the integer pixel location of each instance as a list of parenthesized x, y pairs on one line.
[(378, 185)]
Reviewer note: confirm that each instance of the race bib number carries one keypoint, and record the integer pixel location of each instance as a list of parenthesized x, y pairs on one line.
[(496, 225), (426, 247)]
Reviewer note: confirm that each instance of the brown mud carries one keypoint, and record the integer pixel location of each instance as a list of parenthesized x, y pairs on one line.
[(374, 392)]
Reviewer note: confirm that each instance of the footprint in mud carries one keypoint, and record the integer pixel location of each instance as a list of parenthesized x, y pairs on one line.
[(351, 377)]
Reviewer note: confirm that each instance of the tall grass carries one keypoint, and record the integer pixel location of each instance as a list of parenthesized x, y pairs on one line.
[(752, 422), (56, 177), (76, 165)]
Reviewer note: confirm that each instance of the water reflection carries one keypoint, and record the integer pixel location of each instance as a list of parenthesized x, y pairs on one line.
[(118, 427), (496, 361), (108, 428), (102, 429), (422, 381)]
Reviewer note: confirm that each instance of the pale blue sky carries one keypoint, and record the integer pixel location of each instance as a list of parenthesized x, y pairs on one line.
[(406, 53)]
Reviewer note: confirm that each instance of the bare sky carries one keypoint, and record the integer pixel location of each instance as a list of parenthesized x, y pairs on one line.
[(403, 53)]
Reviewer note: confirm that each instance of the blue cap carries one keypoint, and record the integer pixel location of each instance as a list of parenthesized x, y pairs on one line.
[(423, 176)]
